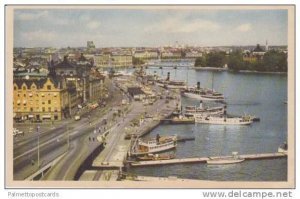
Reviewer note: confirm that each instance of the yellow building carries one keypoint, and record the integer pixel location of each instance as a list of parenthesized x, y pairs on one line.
[(121, 60), (44, 99), (102, 60)]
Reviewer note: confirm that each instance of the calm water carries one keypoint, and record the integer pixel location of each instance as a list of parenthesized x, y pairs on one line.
[(256, 94)]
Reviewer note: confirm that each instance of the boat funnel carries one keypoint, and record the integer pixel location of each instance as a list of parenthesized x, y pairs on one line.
[(201, 104), (198, 85), (168, 76)]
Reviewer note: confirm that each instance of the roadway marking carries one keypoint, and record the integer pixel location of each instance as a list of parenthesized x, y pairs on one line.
[(56, 139)]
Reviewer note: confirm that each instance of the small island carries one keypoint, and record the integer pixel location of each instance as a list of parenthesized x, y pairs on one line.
[(257, 60)]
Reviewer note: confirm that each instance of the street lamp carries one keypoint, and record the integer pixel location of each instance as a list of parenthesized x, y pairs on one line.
[(68, 137), (38, 152)]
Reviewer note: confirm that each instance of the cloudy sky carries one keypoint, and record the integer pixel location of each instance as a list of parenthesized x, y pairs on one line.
[(124, 27)]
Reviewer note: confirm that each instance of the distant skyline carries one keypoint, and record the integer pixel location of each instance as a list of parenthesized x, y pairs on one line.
[(150, 27)]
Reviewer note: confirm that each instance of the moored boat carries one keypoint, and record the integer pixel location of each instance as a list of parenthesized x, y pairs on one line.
[(223, 120), (229, 160), (154, 145), (204, 94), (226, 160), (156, 157), (191, 111)]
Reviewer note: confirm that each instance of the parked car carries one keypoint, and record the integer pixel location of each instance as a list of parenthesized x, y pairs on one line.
[(77, 117), (17, 132)]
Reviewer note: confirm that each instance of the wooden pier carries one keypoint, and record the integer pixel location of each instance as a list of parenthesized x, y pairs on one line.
[(204, 159)]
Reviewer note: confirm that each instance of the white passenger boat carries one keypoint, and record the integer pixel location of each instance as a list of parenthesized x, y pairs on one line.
[(224, 120), (155, 145), (171, 84), (226, 160), (229, 160), (161, 82), (203, 94), (190, 111), (176, 84)]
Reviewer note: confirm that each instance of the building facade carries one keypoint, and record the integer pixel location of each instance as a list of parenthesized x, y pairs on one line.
[(121, 60), (43, 99)]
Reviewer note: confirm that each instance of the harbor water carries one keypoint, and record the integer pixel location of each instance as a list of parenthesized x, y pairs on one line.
[(262, 95)]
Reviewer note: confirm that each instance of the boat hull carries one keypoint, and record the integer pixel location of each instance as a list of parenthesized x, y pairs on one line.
[(224, 161), (221, 121), (201, 97), (152, 146), (154, 151)]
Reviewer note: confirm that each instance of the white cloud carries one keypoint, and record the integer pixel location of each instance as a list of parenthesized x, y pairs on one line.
[(93, 24), (180, 24), (43, 36), (27, 16), (244, 27)]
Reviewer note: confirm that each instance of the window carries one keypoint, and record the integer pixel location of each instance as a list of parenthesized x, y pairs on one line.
[(15, 88), (49, 87), (31, 109), (43, 102), (49, 101), (24, 95), (24, 87), (49, 109), (43, 109)]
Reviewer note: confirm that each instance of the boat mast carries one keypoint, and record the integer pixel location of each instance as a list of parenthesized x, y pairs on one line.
[(187, 76), (212, 81)]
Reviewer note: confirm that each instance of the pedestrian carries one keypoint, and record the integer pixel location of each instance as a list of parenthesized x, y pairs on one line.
[(89, 138), (93, 139)]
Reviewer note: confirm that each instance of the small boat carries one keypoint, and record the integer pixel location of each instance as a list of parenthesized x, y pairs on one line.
[(154, 145), (283, 148), (226, 160), (156, 157)]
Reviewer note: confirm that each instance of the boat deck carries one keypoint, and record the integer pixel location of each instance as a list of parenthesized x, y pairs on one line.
[(204, 159)]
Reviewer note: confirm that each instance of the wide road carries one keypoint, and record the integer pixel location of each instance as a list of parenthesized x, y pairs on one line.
[(54, 141)]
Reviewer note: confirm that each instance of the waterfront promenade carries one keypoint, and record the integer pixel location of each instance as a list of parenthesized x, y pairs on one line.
[(114, 155)]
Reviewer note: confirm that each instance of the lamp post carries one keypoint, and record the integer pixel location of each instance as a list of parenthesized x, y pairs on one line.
[(38, 149), (68, 138)]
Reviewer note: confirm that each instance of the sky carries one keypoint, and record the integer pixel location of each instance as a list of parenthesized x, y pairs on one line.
[(148, 27)]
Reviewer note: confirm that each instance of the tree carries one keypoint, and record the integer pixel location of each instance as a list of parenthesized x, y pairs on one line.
[(235, 61), (200, 62), (216, 59), (275, 61)]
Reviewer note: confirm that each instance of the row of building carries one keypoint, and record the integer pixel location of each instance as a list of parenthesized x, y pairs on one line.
[(58, 94)]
